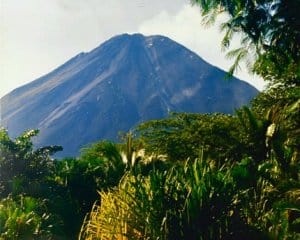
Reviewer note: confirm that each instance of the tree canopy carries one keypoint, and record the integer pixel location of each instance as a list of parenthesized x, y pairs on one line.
[(270, 33)]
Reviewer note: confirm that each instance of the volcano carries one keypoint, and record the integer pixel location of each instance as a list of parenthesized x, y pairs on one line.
[(127, 80)]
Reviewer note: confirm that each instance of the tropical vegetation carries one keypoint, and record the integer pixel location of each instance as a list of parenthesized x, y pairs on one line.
[(188, 176)]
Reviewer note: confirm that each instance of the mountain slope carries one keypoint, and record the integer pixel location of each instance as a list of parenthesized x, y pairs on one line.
[(126, 80)]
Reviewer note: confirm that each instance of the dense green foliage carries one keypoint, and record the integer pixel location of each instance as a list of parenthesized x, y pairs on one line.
[(24, 183), (76, 182), (169, 204), (42, 198), (235, 183), (189, 176), (23, 169), (183, 136), (197, 200), (25, 218)]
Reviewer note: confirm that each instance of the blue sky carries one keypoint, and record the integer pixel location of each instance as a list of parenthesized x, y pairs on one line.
[(39, 35)]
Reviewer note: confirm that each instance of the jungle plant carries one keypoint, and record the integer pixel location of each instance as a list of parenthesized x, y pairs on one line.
[(191, 200), (184, 135), (24, 169), (25, 218)]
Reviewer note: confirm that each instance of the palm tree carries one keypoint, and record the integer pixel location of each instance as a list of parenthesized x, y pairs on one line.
[(270, 31)]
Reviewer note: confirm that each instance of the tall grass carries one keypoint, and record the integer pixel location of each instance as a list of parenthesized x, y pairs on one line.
[(199, 200), (188, 201)]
